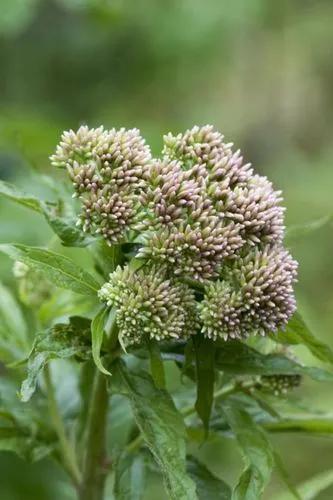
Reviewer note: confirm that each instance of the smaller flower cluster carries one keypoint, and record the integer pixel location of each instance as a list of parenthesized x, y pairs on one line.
[(279, 385), (206, 205), (255, 296), (149, 305), (106, 168)]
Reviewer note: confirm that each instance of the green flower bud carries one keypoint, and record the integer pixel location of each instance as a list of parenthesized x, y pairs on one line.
[(149, 305), (256, 295), (279, 384)]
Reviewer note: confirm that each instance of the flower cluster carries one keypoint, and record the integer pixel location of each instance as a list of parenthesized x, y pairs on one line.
[(149, 305), (255, 296), (106, 168), (279, 384), (208, 205), (200, 214)]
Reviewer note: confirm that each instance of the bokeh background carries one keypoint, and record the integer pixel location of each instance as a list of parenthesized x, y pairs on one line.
[(259, 70)]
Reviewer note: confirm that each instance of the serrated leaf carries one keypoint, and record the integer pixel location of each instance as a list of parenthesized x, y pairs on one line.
[(205, 375), (60, 341), (297, 332), (97, 334), (310, 489), (256, 449), (61, 270), (162, 428), (234, 357), (12, 193), (130, 477), (208, 486), (156, 364), (64, 227)]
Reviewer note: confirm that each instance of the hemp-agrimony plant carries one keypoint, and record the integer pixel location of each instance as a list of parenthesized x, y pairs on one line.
[(186, 266)]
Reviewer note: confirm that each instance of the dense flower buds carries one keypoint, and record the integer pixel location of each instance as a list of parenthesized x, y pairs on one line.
[(149, 305), (256, 295), (106, 168), (279, 385), (201, 214)]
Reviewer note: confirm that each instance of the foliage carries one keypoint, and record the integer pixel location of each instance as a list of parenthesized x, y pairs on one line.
[(241, 384)]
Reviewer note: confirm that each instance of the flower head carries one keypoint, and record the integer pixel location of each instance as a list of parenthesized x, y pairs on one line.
[(106, 168), (79, 147), (149, 305), (279, 384), (198, 213), (205, 146), (205, 205), (256, 295)]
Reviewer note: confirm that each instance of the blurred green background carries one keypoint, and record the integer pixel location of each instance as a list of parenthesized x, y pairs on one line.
[(259, 70)]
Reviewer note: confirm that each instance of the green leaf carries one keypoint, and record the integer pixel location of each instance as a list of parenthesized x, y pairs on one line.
[(64, 227), (249, 486), (97, 334), (21, 442), (299, 230), (64, 303), (205, 374), (284, 475), (12, 193), (256, 449), (237, 358), (106, 258), (130, 477), (297, 332), (156, 364), (209, 487), (136, 264), (23, 431), (62, 271), (162, 428), (310, 489), (14, 342), (35, 367), (60, 341)]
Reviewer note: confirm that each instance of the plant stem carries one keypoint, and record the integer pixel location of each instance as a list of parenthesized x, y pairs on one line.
[(67, 449), (308, 425), (94, 464)]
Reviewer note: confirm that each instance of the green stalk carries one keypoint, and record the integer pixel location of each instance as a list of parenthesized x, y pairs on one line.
[(94, 463), (308, 425), (67, 450)]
